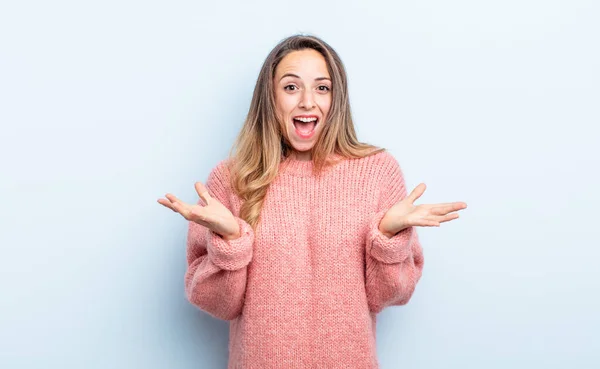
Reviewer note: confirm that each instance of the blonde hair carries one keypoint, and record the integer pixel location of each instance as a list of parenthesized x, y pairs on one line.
[(262, 143)]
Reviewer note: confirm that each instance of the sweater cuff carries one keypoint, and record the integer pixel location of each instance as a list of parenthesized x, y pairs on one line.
[(232, 254), (388, 250)]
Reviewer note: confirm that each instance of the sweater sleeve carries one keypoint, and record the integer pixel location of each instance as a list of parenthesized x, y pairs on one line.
[(215, 280), (393, 265)]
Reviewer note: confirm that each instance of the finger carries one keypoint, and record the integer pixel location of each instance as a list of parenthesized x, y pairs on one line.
[(203, 192), (456, 204), (179, 206), (449, 217), (446, 218), (181, 209), (166, 204), (427, 221), (437, 211), (443, 209), (431, 218), (174, 199)]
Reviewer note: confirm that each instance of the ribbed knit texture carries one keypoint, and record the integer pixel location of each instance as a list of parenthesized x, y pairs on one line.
[(304, 290)]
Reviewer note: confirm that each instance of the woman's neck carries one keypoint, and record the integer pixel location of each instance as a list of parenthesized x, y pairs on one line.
[(301, 155)]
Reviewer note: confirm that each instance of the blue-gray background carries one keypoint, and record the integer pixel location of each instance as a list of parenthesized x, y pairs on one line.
[(107, 105)]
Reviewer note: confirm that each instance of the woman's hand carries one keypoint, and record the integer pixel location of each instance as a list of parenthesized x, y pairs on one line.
[(212, 215), (405, 214)]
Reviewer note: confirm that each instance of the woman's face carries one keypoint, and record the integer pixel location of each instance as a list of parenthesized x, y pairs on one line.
[(302, 97)]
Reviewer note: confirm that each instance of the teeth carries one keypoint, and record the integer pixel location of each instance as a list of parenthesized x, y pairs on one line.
[(305, 120)]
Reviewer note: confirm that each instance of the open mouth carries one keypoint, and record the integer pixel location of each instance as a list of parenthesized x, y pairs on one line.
[(305, 125)]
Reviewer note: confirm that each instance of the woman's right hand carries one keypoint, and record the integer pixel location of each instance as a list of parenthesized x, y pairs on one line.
[(212, 215)]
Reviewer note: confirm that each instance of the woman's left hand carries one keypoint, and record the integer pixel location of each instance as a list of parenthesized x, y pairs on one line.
[(405, 214)]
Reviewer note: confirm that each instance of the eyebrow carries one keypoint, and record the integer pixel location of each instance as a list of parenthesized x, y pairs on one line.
[(296, 76)]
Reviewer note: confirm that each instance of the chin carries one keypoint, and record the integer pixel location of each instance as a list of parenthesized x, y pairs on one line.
[(302, 147)]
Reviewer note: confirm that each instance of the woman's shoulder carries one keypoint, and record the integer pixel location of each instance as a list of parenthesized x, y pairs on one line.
[(380, 162), (223, 166), (383, 155), (219, 175)]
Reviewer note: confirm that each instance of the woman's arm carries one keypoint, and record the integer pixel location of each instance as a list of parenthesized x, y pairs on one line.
[(215, 280), (393, 265)]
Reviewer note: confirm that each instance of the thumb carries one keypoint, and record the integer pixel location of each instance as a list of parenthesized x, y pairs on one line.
[(417, 192), (203, 192)]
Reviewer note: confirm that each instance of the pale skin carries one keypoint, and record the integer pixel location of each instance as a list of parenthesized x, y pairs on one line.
[(303, 86), (406, 214), (209, 213)]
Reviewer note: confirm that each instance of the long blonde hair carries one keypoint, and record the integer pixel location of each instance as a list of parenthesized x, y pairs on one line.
[(262, 142)]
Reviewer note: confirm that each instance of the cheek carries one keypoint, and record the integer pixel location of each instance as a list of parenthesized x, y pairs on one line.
[(285, 104), (282, 106), (325, 103)]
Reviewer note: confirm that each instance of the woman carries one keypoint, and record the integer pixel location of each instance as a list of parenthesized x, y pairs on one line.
[(304, 234)]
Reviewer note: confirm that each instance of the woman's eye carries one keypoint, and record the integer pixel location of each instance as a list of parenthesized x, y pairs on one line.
[(287, 87), (323, 88)]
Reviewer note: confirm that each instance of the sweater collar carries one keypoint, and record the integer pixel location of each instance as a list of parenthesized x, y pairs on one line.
[(301, 168)]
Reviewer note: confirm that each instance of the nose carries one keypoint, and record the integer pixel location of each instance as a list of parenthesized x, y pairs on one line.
[(307, 101)]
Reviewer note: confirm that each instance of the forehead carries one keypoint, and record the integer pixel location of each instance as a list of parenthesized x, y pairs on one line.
[(308, 62)]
